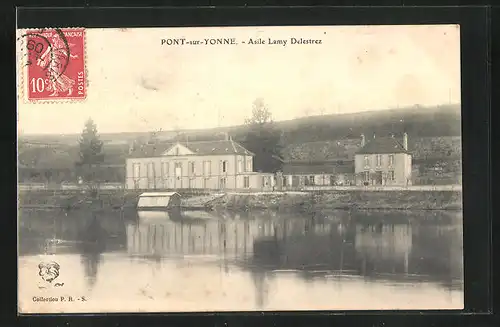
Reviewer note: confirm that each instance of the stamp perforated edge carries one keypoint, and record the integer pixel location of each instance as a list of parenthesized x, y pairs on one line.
[(22, 69)]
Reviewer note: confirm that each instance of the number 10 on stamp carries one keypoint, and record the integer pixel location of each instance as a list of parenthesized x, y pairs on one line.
[(55, 64)]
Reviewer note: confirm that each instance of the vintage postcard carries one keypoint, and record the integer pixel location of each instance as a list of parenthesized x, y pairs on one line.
[(239, 169)]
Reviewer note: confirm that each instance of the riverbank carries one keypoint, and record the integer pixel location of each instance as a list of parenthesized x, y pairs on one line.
[(116, 199), (282, 201), (342, 200)]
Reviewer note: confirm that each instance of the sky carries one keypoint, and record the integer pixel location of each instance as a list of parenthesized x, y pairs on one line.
[(135, 84)]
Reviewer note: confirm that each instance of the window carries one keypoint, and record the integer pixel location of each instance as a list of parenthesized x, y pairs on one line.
[(391, 159), (164, 173), (223, 182), (150, 170), (311, 180), (136, 174), (264, 181), (249, 164), (178, 169), (164, 169), (205, 182), (366, 176), (246, 182), (379, 160), (367, 161), (151, 176), (136, 171), (224, 166), (240, 165), (391, 175), (207, 167), (192, 167)]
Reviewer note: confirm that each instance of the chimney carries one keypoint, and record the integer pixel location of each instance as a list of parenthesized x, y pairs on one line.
[(362, 139), (405, 141), (132, 146)]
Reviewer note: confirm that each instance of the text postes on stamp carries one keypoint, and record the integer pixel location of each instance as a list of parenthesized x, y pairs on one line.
[(55, 64)]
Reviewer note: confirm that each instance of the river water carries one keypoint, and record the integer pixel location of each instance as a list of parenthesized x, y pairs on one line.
[(128, 261)]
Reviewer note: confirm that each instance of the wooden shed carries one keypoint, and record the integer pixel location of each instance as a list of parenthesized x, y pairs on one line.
[(159, 201)]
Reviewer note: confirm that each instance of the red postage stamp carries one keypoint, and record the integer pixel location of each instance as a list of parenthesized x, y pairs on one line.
[(55, 64)]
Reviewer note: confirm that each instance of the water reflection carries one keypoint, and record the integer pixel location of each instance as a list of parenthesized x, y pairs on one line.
[(384, 246), (90, 262), (310, 245), (261, 284), (160, 234), (269, 247)]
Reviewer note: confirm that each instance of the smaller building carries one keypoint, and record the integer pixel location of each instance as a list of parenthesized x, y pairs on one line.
[(318, 173), (320, 163), (159, 200), (383, 161)]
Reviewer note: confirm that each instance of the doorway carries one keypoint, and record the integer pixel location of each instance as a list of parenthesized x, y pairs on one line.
[(377, 178), (178, 175), (222, 183)]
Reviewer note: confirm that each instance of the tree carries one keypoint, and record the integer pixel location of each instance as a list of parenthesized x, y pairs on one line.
[(260, 114), (263, 139), (91, 155)]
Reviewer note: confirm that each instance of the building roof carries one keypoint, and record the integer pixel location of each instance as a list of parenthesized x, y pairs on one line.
[(159, 194), (323, 167), (382, 145), (201, 148), (322, 150)]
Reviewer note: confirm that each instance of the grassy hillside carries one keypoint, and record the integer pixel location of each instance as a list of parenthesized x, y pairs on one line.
[(433, 132), (416, 121), (428, 148)]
